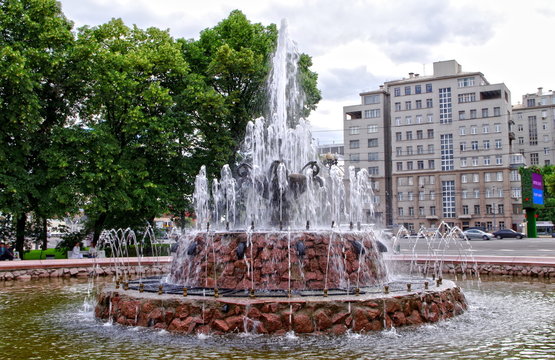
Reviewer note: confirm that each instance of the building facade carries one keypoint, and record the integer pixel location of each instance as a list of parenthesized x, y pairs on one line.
[(442, 148), (534, 126)]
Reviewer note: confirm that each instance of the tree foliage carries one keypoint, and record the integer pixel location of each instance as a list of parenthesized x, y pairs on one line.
[(117, 120)]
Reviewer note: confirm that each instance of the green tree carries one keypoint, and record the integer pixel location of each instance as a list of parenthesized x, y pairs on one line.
[(232, 62), (130, 145), (37, 95)]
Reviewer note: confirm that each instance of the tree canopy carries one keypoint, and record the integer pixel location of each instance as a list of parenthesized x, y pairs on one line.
[(117, 120)]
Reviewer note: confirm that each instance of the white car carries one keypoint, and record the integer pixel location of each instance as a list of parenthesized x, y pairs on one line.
[(477, 234)]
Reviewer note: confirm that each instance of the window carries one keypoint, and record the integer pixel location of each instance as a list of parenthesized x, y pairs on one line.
[(430, 133), (474, 161), (430, 118), (475, 178), (408, 105), (476, 194), (534, 159), (411, 211), (372, 142), (448, 198), (410, 196), (447, 152), (397, 106), (473, 114), (429, 103), (499, 176), (432, 195), (418, 89), (354, 144), (372, 129), (399, 166), (464, 82), (530, 102), (474, 145), (409, 150), (473, 130), (498, 160), (487, 177), (421, 195), (515, 176), (399, 151), (420, 149), (371, 99), (476, 209), (409, 165), (407, 90), (464, 178), (419, 134), (521, 140), (409, 135), (445, 110), (371, 114), (432, 210), (465, 209), (462, 130), (400, 211), (486, 144), (354, 130), (466, 98), (498, 143), (428, 88), (485, 128), (487, 160), (462, 115), (408, 120), (397, 91), (418, 104), (430, 148), (419, 119), (420, 165), (497, 128), (463, 162), (431, 164), (485, 112), (398, 136), (463, 145), (354, 157), (373, 156), (421, 211), (533, 130), (497, 111), (398, 121)]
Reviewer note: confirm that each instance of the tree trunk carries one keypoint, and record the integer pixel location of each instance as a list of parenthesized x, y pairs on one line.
[(20, 234), (98, 226), (44, 234)]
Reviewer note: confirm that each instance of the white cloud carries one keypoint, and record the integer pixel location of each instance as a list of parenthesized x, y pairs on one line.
[(357, 45)]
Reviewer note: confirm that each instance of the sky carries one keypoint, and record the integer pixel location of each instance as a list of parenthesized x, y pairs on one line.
[(357, 45)]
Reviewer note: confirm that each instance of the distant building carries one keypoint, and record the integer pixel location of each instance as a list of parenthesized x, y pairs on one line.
[(440, 148), (534, 127)]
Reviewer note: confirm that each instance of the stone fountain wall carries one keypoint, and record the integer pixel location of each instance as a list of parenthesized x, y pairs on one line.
[(326, 315), (278, 260)]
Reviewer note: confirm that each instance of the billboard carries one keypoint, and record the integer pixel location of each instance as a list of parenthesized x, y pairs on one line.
[(532, 189)]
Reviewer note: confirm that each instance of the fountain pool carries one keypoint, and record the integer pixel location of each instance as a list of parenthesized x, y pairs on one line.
[(506, 319)]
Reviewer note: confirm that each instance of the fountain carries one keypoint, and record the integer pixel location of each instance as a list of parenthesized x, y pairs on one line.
[(280, 244)]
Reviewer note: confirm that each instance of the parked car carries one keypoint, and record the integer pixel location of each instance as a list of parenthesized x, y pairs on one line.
[(508, 233), (477, 234)]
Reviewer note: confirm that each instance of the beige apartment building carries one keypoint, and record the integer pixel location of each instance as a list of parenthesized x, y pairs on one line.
[(440, 147), (534, 127)]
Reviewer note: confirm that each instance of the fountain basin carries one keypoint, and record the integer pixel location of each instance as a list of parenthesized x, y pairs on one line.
[(369, 311), (278, 260)]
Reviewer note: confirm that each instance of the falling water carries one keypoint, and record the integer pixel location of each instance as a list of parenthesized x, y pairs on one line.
[(281, 181)]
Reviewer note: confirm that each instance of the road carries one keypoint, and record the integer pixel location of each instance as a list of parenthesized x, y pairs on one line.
[(540, 247)]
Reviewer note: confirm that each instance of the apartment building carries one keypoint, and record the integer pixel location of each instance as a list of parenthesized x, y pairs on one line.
[(534, 126), (442, 149)]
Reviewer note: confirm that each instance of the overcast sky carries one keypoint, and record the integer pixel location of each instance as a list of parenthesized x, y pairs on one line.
[(357, 45)]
